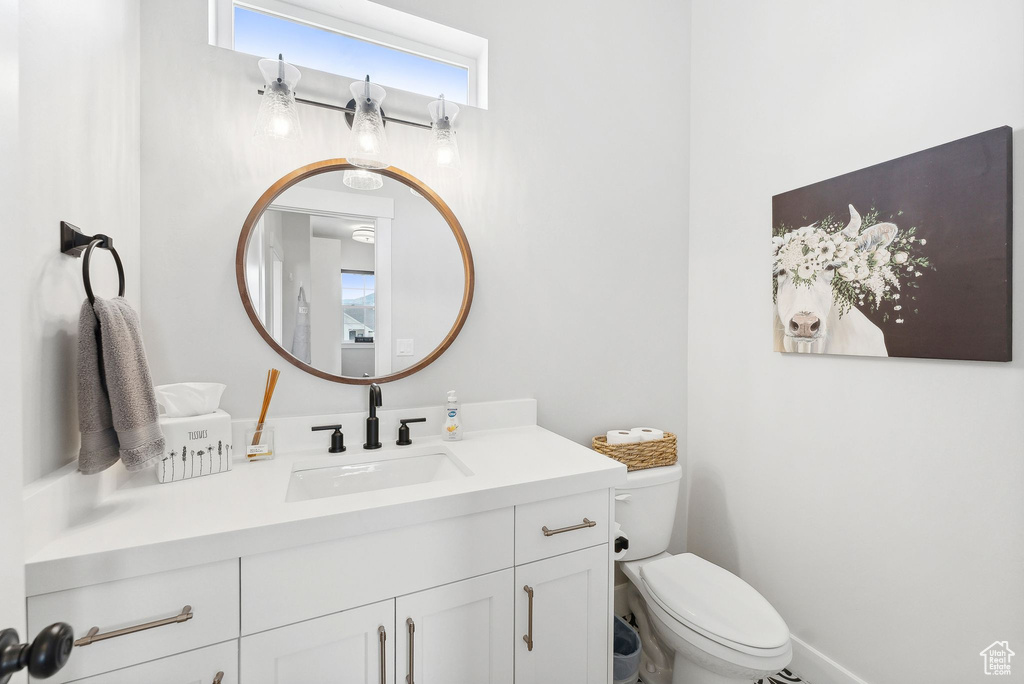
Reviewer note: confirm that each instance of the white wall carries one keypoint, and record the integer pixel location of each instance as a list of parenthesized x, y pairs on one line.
[(884, 525), (12, 575), (79, 133), (427, 280), (564, 231)]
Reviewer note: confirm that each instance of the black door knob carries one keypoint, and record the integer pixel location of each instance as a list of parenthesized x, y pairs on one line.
[(44, 657)]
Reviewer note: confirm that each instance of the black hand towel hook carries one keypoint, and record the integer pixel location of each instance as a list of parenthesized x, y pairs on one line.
[(74, 242)]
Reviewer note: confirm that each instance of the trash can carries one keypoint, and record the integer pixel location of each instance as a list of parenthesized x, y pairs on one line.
[(626, 650)]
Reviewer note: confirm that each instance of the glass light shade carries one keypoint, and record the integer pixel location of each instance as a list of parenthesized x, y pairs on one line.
[(360, 179), (364, 235), (368, 144), (279, 115), (444, 148)]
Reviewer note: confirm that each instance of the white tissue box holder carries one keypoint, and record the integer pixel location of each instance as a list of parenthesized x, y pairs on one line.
[(195, 446)]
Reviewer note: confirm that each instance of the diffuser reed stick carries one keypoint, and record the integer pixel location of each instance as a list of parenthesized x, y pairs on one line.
[(268, 394)]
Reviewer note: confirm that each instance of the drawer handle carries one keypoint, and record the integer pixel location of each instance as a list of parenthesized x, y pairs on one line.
[(582, 526), (528, 637), (93, 635), (382, 635), (409, 678), (218, 678)]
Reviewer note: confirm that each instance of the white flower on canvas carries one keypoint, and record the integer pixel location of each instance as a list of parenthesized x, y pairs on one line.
[(856, 275)]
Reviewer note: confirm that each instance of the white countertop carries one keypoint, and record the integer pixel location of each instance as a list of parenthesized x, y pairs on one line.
[(143, 527)]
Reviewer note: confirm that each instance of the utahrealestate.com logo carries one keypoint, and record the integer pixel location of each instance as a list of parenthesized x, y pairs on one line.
[(997, 658)]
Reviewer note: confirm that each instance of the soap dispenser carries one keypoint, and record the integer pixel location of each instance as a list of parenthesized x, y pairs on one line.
[(452, 419)]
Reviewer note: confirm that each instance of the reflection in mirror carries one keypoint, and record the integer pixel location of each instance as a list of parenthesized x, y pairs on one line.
[(358, 283)]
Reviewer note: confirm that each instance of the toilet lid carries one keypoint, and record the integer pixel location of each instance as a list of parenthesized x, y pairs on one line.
[(714, 601)]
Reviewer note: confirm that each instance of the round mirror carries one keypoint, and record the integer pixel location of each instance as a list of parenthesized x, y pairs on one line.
[(354, 276)]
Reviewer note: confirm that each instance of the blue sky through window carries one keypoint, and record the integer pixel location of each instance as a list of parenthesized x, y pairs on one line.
[(266, 35)]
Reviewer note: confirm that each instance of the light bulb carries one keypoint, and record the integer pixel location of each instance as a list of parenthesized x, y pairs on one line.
[(368, 142), (278, 116), (281, 126)]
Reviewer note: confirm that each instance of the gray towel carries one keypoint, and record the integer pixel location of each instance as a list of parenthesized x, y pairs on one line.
[(301, 335), (117, 411)]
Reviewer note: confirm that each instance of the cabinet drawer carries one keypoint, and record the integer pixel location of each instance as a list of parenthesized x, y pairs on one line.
[(195, 667), (282, 587), (211, 591), (564, 519)]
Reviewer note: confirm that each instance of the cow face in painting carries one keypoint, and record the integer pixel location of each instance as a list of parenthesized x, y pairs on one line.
[(807, 261)]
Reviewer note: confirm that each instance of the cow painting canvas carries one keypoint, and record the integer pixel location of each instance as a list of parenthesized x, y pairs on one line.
[(908, 258)]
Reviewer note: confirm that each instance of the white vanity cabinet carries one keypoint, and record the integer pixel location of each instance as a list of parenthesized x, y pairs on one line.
[(460, 632), (563, 618), (442, 601), (352, 647), (143, 619), (211, 665)]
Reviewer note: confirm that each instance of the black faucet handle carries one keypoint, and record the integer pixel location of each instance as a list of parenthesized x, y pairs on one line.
[(337, 438), (404, 438)]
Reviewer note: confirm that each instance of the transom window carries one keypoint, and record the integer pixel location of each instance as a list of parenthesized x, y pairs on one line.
[(396, 49)]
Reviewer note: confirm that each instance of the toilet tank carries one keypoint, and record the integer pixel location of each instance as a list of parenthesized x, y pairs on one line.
[(645, 508)]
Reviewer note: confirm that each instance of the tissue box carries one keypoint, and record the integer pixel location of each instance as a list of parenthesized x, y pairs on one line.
[(196, 446)]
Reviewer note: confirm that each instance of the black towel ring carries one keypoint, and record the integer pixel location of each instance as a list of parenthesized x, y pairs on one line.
[(103, 242)]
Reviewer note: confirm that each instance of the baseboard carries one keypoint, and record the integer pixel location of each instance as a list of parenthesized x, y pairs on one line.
[(814, 667)]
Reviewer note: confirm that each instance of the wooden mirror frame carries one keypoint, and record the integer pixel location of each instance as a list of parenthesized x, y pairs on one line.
[(314, 169)]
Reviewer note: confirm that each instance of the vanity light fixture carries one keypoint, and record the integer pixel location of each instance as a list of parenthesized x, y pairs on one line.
[(361, 179), (278, 116), (364, 234), (444, 148), (368, 143)]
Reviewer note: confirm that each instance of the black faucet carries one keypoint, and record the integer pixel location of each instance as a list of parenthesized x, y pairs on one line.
[(372, 423)]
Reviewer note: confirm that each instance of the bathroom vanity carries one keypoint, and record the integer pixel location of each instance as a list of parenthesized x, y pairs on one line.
[(486, 560)]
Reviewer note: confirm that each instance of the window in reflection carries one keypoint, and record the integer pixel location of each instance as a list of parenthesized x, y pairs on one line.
[(357, 306)]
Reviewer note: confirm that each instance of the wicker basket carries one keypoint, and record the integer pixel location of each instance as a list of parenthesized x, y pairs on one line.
[(640, 455)]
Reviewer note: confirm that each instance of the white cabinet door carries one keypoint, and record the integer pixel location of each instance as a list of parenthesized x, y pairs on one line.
[(211, 665), (568, 638), (460, 633), (343, 648)]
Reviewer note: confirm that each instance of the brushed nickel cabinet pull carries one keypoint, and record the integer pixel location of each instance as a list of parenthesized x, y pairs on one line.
[(218, 678), (410, 678), (528, 637), (583, 525), (93, 634), (382, 635)]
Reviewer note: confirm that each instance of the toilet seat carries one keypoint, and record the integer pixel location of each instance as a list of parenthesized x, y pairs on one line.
[(715, 603)]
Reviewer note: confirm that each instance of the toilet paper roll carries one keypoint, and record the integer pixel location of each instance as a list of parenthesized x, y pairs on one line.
[(622, 437), (646, 434)]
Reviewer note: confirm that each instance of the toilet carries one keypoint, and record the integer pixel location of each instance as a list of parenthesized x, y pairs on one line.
[(699, 623)]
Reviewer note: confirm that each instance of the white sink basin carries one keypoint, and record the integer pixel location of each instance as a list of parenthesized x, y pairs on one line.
[(321, 478)]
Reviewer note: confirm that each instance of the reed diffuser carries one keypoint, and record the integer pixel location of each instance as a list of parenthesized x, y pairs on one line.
[(260, 439)]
